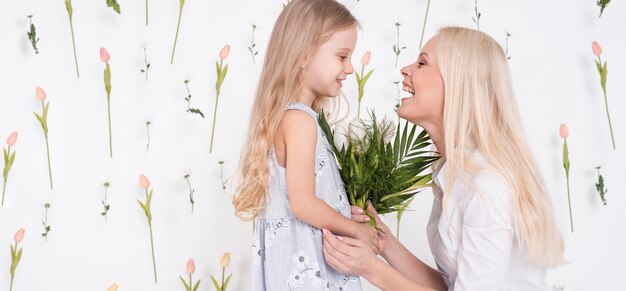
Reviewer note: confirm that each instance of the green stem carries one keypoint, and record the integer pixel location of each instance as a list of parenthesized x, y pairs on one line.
[(398, 229), (360, 96), (74, 46), (105, 204), (424, 26), (11, 287), (217, 97), (606, 105), (46, 225), (397, 44), (223, 271), (569, 200), (214, 119), (180, 15), (49, 167), (3, 190), (110, 135), (146, 12), (148, 130), (153, 260)]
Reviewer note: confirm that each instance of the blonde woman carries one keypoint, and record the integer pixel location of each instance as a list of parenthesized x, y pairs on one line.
[(491, 226), (289, 181)]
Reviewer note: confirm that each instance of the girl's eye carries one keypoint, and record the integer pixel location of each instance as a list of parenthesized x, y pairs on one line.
[(420, 64), (343, 58)]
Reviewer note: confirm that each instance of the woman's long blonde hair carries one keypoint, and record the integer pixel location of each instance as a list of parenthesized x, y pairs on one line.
[(480, 111), (300, 29)]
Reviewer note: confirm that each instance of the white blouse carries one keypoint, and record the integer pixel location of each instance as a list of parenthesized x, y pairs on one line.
[(473, 241)]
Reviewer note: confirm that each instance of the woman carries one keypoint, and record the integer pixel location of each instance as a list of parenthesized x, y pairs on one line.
[(491, 226)]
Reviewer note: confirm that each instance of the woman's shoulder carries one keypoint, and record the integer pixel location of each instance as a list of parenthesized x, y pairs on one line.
[(490, 197), (487, 178)]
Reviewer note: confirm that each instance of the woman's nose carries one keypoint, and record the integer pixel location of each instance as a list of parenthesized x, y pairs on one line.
[(405, 71)]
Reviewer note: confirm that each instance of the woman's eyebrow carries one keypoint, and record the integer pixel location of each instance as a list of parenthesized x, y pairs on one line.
[(423, 54)]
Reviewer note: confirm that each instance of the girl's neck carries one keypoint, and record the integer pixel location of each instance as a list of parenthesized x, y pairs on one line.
[(307, 98)]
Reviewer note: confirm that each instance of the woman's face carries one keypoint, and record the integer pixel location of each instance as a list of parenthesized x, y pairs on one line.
[(423, 81)]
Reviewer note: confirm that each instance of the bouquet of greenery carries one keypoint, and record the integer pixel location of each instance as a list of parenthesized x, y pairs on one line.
[(377, 166)]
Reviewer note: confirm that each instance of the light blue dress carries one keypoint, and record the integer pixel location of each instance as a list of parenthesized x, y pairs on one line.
[(287, 252)]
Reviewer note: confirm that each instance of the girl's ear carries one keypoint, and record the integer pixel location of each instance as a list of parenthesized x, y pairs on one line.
[(305, 60)]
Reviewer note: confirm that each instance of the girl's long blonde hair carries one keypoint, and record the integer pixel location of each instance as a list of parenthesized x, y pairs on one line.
[(300, 29), (480, 111)]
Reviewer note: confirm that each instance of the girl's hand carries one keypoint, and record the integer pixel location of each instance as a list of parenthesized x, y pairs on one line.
[(368, 235), (383, 238), (348, 255), (358, 215)]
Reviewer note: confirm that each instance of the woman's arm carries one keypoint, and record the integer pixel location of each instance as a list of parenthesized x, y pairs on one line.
[(300, 136), (487, 237), (351, 256), (399, 257)]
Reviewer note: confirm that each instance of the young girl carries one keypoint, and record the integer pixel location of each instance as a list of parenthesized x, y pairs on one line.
[(289, 179)]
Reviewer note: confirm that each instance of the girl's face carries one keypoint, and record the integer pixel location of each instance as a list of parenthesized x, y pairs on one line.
[(330, 65), (423, 81)]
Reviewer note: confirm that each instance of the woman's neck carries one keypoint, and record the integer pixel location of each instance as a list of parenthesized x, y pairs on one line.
[(435, 132)]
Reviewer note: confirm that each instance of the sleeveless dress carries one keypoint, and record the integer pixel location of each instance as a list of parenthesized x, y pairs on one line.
[(287, 253)]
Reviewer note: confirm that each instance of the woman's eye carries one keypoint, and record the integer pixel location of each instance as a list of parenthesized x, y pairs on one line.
[(420, 64)]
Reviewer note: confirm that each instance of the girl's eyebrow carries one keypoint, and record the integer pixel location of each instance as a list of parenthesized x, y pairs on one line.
[(423, 54), (345, 49)]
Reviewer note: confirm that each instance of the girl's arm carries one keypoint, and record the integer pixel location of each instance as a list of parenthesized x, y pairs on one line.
[(300, 137)]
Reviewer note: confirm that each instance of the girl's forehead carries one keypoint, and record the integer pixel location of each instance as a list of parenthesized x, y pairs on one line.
[(345, 38)]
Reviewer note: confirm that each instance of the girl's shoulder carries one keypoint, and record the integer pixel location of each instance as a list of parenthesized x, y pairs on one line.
[(297, 123)]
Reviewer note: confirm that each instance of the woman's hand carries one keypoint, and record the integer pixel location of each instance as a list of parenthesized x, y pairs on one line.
[(383, 238), (368, 235), (348, 255)]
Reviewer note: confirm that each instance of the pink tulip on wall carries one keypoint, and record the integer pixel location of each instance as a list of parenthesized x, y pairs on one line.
[(221, 74), (564, 133), (362, 79), (105, 58), (190, 286), (12, 139), (596, 49), (19, 236), (43, 120), (16, 254), (9, 158), (104, 55), (145, 184)]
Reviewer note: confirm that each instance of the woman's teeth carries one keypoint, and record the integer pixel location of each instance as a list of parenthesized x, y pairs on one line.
[(408, 89)]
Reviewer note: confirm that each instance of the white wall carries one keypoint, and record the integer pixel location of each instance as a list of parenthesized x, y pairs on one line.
[(554, 77)]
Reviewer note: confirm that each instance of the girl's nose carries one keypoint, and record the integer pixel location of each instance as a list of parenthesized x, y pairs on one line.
[(349, 69)]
